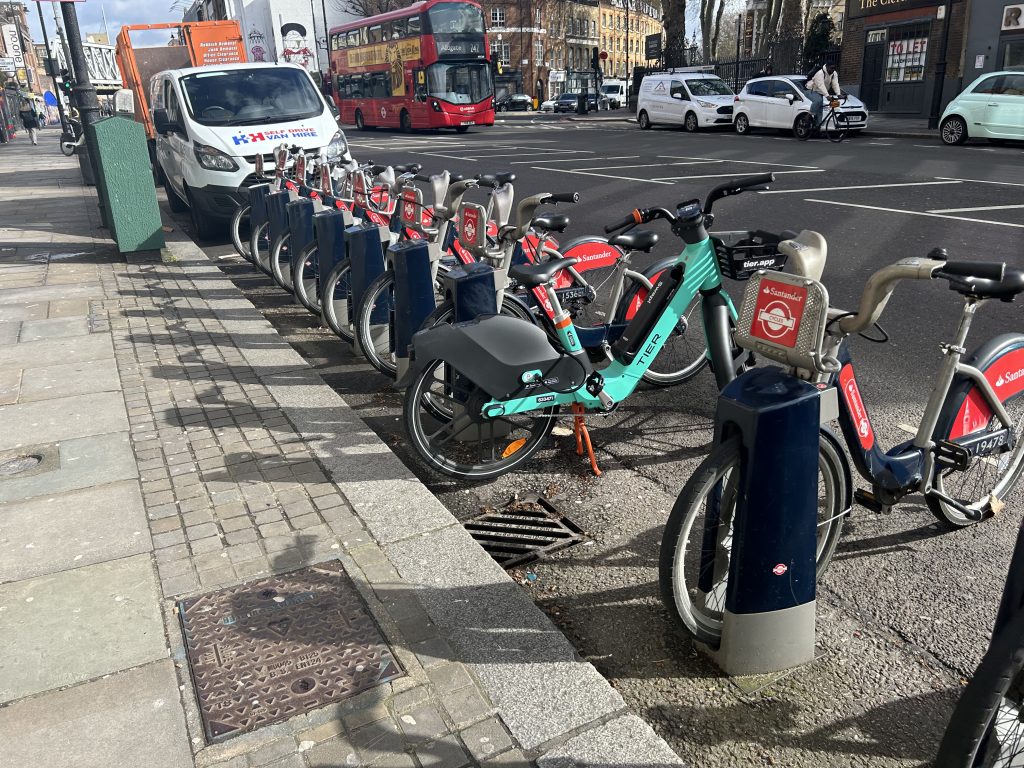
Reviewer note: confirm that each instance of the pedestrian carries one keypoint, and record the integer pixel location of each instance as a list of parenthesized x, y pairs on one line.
[(768, 71), (30, 119), (822, 83)]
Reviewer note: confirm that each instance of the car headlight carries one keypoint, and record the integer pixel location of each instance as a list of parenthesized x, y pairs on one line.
[(706, 104), (338, 148), (212, 159)]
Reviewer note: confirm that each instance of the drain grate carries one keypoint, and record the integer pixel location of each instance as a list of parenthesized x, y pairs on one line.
[(523, 531), (267, 651), (19, 464)]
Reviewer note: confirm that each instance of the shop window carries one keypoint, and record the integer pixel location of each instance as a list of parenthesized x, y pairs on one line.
[(1013, 54), (906, 54)]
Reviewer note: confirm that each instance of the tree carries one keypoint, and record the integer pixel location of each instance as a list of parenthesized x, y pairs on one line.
[(819, 39), (368, 7), (675, 33)]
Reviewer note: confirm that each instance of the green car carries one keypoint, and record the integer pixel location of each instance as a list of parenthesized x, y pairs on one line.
[(992, 107)]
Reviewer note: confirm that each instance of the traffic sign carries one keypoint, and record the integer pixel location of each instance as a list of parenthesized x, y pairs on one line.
[(8, 65), (604, 55)]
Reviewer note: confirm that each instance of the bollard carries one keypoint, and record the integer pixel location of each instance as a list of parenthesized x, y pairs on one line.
[(414, 295), (300, 228), (768, 623), (366, 254)]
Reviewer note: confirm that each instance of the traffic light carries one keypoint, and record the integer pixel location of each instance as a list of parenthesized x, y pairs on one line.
[(595, 60), (66, 83)]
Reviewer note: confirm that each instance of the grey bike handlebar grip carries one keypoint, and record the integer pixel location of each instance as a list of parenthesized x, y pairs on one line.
[(421, 177), (755, 181), (985, 270), (564, 197), (620, 225)]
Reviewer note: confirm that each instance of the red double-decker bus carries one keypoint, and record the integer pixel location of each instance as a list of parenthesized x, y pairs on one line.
[(425, 66)]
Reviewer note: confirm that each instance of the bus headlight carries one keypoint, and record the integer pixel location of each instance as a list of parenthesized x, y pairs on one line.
[(435, 105), (338, 148)]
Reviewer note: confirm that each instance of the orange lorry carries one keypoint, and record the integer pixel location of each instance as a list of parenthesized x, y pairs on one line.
[(199, 43)]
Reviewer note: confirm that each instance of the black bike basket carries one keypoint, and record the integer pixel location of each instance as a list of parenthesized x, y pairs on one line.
[(741, 254)]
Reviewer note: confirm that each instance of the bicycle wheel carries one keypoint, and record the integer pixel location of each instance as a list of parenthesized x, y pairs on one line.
[(374, 323), (336, 307), (445, 313), (462, 443), (304, 279), (240, 233), (259, 248), (709, 496), (832, 128), (985, 476), (987, 725), (280, 261)]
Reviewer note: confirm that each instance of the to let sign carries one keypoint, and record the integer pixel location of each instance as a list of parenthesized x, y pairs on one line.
[(858, 8)]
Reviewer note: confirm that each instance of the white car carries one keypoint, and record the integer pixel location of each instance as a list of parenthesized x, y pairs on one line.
[(693, 100), (776, 102), (992, 107), (548, 106)]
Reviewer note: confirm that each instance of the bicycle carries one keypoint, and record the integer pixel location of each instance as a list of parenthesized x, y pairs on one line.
[(987, 724), (72, 136), (966, 429), (832, 124), (483, 396)]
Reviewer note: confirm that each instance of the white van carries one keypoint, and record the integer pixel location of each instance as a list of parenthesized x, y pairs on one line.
[(212, 121), (693, 100), (615, 91)]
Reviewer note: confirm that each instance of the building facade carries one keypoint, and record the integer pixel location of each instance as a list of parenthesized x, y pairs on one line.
[(995, 38), (624, 25), (16, 43), (890, 52)]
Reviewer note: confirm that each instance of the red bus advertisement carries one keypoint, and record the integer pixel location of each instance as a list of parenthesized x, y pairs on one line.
[(425, 66)]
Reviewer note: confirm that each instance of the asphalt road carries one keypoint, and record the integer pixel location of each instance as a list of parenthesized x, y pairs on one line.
[(905, 609)]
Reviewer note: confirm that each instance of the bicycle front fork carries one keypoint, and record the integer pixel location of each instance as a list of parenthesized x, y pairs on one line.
[(717, 313)]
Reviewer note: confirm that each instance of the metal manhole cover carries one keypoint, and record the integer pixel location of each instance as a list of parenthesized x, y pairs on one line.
[(266, 651), (19, 464), (522, 531)]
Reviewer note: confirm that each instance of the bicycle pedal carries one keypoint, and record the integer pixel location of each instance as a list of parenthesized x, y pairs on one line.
[(867, 500), (952, 456)]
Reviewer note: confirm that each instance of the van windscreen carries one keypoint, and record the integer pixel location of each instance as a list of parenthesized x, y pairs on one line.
[(251, 96)]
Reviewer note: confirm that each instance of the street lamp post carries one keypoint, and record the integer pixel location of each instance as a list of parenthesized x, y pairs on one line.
[(940, 68), (85, 92), (51, 64)]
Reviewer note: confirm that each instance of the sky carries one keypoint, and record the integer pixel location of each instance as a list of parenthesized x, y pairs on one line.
[(119, 13)]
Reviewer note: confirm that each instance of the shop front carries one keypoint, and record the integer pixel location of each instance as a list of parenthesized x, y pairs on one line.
[(891, 48), (995, 38)]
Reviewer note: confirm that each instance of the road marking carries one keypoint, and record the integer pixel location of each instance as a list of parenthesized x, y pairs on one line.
[(649, 165), (879, 144), (604, 175), (915, 213), (982, 181), (857, 186), (574, 159), (730, 160), (734, 174), (979, 208), (544, 150)]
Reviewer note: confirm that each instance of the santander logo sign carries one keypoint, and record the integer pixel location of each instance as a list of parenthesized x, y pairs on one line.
[(1006, 378), (855, 404)]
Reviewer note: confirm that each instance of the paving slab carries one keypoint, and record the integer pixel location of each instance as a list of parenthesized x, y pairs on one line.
[(69, 379), (95, 346), (34, 311), (62, 419), (77, 625), (82, 463), (54, 328), (10, 386), (51, 293), (129, 719), (53, 533), (625, 741)]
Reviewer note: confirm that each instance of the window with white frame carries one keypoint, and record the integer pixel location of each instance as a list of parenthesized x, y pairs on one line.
[(497, 17), (504, 51), (538, 53)]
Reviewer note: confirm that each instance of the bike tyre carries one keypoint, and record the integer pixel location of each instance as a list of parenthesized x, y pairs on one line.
[(833, 131), (971, 731), (335, 320), (280, 261), (304, 280), (67, 146), (241, 244), (260, 237), (364, 328), (703, 625)]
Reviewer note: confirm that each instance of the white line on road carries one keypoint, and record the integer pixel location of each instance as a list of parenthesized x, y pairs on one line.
[(914, 213), (734, 174), (731, 160), (649, 165), (604, 175), (979, 208), (543, 151), (982, 181), (857, 186), (574, 159)]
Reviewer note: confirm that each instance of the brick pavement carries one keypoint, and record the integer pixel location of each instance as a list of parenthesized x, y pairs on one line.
[(242, 463)]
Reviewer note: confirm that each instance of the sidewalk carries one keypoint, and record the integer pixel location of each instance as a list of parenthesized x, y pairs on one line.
[(159, 441)]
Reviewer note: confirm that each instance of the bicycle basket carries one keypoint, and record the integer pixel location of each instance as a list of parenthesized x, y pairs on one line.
[(741, 254), (783, 318), (473, 227)]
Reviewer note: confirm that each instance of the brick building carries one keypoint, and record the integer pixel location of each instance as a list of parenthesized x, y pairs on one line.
[(624, 25), (16, 42), (995, 37), (890, 49)]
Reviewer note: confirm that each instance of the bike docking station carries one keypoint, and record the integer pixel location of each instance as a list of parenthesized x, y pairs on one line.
[(329, 227), (365, 243), (277, 220), (768, 620), (300, 228)]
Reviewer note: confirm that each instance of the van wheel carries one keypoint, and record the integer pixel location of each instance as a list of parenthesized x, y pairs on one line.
[(690, 123), (177, 205), (643, 120), (742, 124), (405, 122), (203, 227)]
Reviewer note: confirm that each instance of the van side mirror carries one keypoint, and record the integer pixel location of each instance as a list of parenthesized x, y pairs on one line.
[(162, 123), (677, 95)]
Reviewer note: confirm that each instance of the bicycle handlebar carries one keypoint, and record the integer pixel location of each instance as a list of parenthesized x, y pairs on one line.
[(563, 197), (986, 270), (633, 218), (879, 288)]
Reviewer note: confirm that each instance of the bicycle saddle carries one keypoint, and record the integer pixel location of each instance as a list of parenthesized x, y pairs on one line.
[(410, 168), (532, 275), (980, 288), (551, 222), (495, 179), (639, 240)]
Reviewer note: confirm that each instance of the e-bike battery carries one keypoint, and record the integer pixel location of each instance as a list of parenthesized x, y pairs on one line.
[(632, 340)]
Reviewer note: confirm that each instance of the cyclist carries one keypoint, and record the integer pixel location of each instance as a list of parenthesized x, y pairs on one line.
[(822, 84)]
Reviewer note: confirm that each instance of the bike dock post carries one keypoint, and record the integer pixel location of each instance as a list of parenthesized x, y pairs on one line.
[(258, 205), (329, 227), (414, 295), (365, 251), (300, 227), (277, 218), (768, 621)]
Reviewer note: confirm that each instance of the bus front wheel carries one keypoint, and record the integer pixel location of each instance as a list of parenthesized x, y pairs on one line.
[(461, 128), (360, 123), (405, 122)]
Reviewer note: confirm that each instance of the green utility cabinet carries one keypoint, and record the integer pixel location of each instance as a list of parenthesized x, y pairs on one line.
[(127, 195)]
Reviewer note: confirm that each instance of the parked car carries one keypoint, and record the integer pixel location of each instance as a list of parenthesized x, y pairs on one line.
[(514, 102), (548, 106), (566, 102), (992, 107), (691, 99), (776, 102), (597, 102)]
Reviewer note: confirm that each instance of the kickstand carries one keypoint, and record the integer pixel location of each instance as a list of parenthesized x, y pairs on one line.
[(579, 428)]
